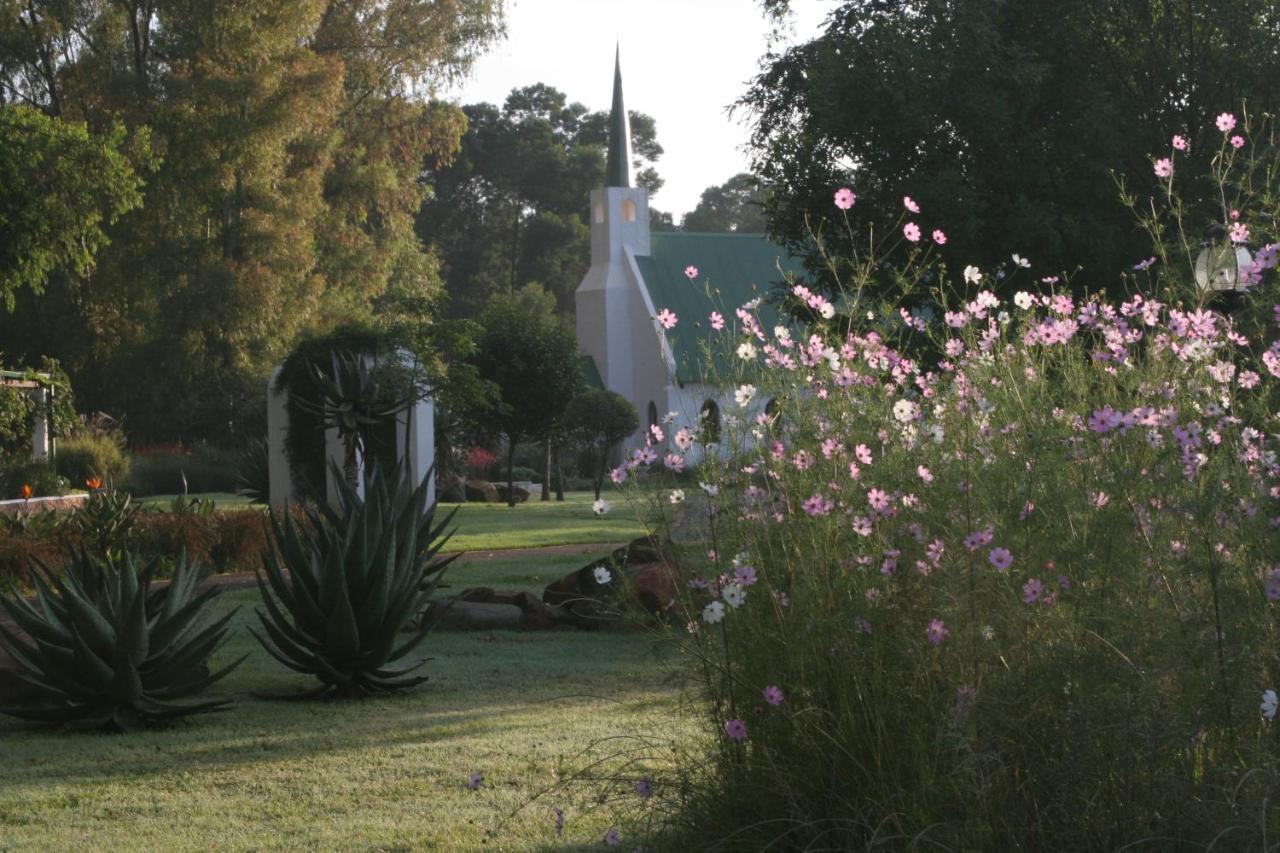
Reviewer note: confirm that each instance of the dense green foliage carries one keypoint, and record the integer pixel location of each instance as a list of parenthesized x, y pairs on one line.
[(533, 362), (91, 455), (510, 208), (105, 650), (599, 421), (1003, 120), (342, 585), (736, 205), (291, 138), (59, 187)]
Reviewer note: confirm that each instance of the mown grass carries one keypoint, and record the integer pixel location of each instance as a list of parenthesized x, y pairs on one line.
[(384, 774), (492, 527)]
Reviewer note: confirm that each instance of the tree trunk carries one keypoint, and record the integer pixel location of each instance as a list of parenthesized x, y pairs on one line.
[(511, 461), (559, 476), (351, 462), (546, 470)]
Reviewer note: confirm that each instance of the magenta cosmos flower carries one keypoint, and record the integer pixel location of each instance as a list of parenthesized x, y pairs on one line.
[(845, 198), (1000, 558), (717, 320), (736, 729), (936, 632), (773, 695), (939, 237), (667, 319), (911, 231), (1237, 142), (691, 271), (1226, 122)]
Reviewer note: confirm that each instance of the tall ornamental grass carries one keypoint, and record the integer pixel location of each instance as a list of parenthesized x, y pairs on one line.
[(999, 570)]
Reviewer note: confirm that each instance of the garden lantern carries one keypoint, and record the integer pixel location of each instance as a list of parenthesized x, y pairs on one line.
[(1219, 266)]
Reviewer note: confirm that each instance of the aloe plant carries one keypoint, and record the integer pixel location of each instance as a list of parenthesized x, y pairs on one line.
[(104, 650), (343, 584)]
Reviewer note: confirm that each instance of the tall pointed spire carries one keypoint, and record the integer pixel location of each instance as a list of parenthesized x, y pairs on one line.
[(618, 166)]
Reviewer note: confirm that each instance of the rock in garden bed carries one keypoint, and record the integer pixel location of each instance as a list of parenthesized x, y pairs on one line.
[(640, 574)]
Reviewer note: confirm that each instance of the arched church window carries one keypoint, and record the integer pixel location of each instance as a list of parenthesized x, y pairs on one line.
[(709, 424), (653, 414), (599, 211), (629, 210)]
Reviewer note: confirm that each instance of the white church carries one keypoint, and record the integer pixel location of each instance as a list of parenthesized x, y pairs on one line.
[(636, 273)]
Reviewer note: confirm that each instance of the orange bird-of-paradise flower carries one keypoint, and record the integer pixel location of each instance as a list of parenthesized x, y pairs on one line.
[(94, 483), (26, 492)]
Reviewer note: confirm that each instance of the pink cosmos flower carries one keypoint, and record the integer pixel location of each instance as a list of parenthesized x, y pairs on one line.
[(559, 813), (736, 729), (475, 780), (910, 204), (939, 237), (691, 271), (1000, 558), (644, 789), (674, 462), (1031, 590), (911, 231), (1226, 122), (667, 319), (744, 575), (817, 505), (845, 198), (936, 632), (863, 453), (878, 499), (717, 320), (1180, 142), (1273, 585), (1237, 142), (1239, 232), (612, 838), (1164, 167), (924, 473), (773, 695)]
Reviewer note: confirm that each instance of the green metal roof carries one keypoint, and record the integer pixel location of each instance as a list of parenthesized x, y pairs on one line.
[(733, 269), (590, 373)]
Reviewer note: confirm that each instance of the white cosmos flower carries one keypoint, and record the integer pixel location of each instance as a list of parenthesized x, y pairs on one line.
[(713, 612), (746, 350), (905, 410), (744, 394), (676, 496), (1021, 261), (601, 507), (827, 310), (603, 576), (972, 274), (782, 333), (710, 488), (733, 594), (1023, 300), (1003, 318), (669, 417), (1269, 703)]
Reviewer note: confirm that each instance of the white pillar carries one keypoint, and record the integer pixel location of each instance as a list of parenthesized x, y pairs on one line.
[(418, 427), (40, 438), (277, 432)]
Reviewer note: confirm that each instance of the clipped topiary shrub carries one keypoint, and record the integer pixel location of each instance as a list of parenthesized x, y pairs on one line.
[(88, 456)]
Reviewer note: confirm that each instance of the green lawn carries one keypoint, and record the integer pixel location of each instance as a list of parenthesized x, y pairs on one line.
[(385, 774), (489, 527), (531, 573)]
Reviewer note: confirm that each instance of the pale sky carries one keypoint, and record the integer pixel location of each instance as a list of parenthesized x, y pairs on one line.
[(683, 62)]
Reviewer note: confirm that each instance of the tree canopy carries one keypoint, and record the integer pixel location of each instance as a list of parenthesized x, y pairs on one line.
[(510, 207), (291, 136), (1003, 120), (736, 205), (59, 187)]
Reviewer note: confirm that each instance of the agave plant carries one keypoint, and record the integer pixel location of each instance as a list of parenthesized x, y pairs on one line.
[(106, 519), (342, 585), (104, 650)]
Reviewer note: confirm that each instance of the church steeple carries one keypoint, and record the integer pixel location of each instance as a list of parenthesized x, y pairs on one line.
[(618, 165)]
